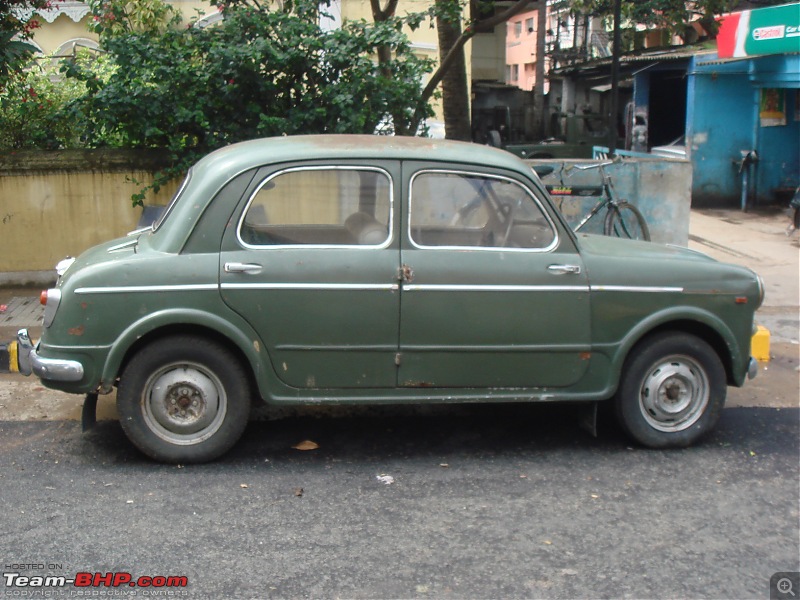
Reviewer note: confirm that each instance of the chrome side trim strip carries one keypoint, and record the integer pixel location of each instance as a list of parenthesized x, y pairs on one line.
[(129, 243), (311, 286), (494, 288), (634, 288), (147, 288), (376, 286)]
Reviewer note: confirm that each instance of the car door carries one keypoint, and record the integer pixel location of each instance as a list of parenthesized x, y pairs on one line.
[(311, 263), (492, 294)]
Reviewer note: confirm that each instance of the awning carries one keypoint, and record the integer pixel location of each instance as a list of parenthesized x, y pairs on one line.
[(771, 30)]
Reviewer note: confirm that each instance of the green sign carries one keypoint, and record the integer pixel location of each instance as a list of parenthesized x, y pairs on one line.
[(774, 30)]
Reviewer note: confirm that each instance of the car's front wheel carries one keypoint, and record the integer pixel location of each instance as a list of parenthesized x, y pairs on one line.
[(184, 399), (672, 390)]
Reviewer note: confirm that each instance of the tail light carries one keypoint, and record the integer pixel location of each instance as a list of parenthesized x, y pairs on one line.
[(51, 299)]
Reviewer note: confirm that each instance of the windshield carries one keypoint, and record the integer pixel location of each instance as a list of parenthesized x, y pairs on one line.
[(172, 202)]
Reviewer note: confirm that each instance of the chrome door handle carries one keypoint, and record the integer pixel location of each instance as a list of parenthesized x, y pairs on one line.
[(564, 269), (235, 267)]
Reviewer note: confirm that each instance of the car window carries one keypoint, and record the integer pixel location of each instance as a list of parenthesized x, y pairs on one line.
[(454, 209), (166, 212), (328, 206)]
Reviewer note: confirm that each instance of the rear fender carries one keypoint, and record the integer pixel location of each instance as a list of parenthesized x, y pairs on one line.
[(230, 327)]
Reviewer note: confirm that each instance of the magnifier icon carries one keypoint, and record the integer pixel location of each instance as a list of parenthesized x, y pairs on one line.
[(785, 587)]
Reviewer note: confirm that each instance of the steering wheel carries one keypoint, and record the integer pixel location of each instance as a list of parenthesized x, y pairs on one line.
[(508, 212)]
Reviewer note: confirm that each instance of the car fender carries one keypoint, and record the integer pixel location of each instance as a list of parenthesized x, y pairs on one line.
[(229, 326), (662, 318)]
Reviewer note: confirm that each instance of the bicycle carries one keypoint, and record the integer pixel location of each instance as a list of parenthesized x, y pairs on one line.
[(622, 219)]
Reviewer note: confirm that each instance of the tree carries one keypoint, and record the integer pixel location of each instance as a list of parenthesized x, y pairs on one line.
[(256, 73), (451, 72), (15, 31)]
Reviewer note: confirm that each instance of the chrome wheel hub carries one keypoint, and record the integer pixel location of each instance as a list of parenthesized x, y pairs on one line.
[(184, 403), (674, 394)]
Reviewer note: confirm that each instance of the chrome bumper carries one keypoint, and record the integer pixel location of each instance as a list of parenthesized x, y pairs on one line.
[(44, 368), (752, 368)]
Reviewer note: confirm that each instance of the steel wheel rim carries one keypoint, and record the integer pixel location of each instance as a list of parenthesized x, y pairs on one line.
[(674, 394), (184, 403)]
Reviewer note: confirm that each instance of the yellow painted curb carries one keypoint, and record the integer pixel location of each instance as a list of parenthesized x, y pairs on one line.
[(759, 344), (13, 366)]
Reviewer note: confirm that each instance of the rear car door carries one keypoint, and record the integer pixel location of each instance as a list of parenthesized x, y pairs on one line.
[(312, 265)]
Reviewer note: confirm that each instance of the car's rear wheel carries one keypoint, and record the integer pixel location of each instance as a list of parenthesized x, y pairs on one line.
[(672, 390), (184, 399)]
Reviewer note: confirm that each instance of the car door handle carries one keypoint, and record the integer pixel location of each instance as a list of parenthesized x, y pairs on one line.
[(236, 267), (564, 269)]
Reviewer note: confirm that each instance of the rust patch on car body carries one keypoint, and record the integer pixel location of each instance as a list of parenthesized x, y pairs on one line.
[(80, 330), (418, 384)]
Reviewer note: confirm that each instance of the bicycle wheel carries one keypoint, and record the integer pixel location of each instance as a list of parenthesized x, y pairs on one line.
[(625, 221)]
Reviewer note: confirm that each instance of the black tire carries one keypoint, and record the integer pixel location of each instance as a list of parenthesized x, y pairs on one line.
[(625, 221), (494, 139), (184, 399), (672, 390)]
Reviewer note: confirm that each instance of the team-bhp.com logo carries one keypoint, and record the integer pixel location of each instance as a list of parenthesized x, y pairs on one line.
[(94, 580)]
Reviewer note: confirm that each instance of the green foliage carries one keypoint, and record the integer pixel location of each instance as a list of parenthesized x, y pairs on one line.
[(257, 73), (34, 108), (14, 31), (112, 18)]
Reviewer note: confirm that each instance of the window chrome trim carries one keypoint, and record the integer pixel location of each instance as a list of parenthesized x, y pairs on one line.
[(527, 190), (168, 211), (276, 174)]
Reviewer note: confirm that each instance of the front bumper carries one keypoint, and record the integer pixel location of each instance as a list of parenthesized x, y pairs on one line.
[(44, 368), (752, 368)]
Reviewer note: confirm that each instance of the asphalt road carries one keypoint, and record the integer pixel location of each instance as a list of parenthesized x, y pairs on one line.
[(486, 502)]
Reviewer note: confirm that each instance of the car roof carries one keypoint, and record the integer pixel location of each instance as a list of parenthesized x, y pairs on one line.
[(212, 172), (245, 155)]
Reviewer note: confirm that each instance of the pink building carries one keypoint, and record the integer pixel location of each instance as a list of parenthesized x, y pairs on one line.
[(521, 50)]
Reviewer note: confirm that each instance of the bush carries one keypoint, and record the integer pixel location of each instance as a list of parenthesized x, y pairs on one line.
[(30, 109)]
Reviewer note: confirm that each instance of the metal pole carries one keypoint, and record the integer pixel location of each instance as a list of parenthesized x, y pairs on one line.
[(614, 109)]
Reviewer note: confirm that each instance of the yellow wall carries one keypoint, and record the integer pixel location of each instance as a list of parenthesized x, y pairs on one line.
[(47, 215)]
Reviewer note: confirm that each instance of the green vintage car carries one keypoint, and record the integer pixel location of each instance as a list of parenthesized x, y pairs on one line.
[(385, 270)]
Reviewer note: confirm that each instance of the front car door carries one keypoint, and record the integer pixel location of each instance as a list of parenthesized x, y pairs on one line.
[(493, 295), (312, 264)]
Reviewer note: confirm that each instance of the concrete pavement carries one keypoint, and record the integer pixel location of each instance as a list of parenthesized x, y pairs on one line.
[(756, 239)]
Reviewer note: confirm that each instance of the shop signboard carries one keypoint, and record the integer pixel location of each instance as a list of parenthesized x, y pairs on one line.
[(771, 30)]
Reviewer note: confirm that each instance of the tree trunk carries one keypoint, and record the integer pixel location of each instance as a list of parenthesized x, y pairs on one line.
[(455, 92)]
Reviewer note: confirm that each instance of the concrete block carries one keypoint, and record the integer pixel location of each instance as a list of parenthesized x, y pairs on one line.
[(759, 344)]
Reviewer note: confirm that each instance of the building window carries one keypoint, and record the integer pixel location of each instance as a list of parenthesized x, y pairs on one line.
[(529, 25), (514, 72), (517, 28)]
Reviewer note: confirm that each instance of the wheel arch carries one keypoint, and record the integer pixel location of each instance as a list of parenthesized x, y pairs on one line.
[(247, 348), (706, 333), (703, 325)]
